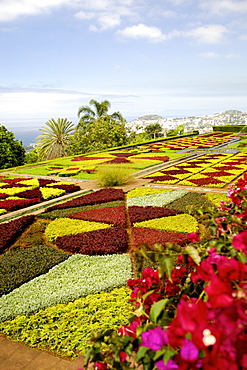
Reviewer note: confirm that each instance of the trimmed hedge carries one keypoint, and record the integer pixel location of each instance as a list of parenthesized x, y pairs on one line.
[(9, 231), (67, 226), (152, 236), (99, 196), (189, 199), (114, 216), (137, 214), (59, 213), (74, 278), (182, 223), (20, 266), (99, 242), (156, 200), (82, 318)]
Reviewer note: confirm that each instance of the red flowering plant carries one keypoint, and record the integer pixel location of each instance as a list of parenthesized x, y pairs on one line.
[(191, 314)]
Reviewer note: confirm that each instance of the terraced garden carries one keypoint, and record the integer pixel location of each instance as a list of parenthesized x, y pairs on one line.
[(64, 271)]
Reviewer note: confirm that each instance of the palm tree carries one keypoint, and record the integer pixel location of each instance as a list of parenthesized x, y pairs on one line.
[(87, 115), (54, 140)]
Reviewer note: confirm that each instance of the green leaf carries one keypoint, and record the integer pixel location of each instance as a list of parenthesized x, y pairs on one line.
[(156, 309), (141, 353), (242, 257), (169, 354), (166, 266), (193, 253), (159, 353)]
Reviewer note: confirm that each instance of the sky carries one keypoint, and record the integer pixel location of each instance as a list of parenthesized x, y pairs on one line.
[(174, 58)]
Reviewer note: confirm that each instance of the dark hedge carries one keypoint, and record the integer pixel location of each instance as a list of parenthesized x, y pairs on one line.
[(99, 242), (152, 236), (9, 231), (99, 196), (138, 214), (70, 211), (191, 198), (20, 266)]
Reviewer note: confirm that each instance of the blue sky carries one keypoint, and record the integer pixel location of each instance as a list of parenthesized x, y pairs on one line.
[(168, 57)]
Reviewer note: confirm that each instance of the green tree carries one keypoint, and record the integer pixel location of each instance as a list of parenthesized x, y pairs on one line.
[(12, 152), (105, 132), (154, 130), (88, 116), (54, 141)]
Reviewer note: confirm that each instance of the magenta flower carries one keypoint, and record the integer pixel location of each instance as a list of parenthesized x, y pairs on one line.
[(189, 351), (194, 237), (155, 338), (240, 241), (170, 365)]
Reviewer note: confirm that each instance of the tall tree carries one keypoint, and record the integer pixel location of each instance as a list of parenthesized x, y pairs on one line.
[(154, 130), (105, 132), (55, 138), (89, 115), (12, 152)]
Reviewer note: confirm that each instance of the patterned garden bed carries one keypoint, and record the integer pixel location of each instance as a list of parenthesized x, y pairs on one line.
[(88, 259), (211, 170)]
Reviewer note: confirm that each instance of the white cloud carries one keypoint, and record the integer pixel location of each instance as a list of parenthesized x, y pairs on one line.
[(12, 9), (208, 34), (210, 55), (84, 15), (107, 21), (142, 31), (222, 7)]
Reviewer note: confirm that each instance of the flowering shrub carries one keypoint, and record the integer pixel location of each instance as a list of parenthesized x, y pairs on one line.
[(98, 242), (201, 321)]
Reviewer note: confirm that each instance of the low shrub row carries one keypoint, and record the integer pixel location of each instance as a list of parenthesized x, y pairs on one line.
[(66, 329), (100, 196), (114, 216), (99, 242), (9, 231), (182, 223), (20, 266), (59, 213), (152, 236), (156, 200), (67, 226), (137, 214), (74, 278)]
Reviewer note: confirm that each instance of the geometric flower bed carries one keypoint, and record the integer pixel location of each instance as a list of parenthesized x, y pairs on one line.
[(18, 193), (200, 142), (211, 170), (82, 318), (92, 235), (74, 278)]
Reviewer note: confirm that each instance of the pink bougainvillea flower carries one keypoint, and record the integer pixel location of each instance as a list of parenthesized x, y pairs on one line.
[(239, 241), (219, 292), (170, 365), (100, 366), (189, 351), (122, 356), (155, 338), (194, 237)]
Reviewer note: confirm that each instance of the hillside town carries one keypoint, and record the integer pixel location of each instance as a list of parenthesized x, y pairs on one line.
[(201, 123)]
